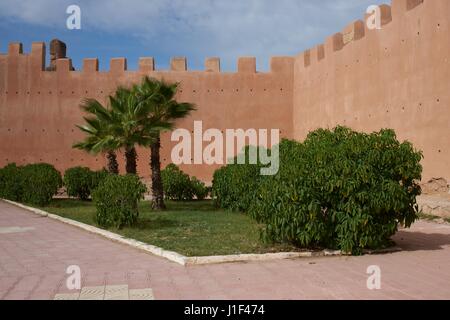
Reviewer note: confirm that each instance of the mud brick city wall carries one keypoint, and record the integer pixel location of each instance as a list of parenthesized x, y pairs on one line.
[(397, 77)]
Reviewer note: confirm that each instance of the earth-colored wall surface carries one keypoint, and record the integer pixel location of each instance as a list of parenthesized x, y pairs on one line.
[(39, 109), (397, 77)]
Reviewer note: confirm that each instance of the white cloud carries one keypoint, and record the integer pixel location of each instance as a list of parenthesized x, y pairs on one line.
[(198, 28)]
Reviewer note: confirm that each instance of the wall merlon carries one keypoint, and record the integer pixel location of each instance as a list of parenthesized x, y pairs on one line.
[(354, 31), (399, 7), (63, 65), (305, 59), (146, 64), (178, 64), (90, 65), (386, 16), (15, 48), (313, 55), (118, 65), (334, 43), (38, 55), (247, 65), (212, 64), (320, 52), (282, 64)]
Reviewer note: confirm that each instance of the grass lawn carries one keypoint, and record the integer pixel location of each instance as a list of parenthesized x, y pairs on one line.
[(190, 228)]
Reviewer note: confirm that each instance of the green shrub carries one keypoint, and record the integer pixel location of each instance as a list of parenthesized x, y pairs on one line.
[(199, 189), (80, 181), (116, 200), (235, 185), (177, 184), (340, 189), (11, 183), (98, 177), (41, 182)]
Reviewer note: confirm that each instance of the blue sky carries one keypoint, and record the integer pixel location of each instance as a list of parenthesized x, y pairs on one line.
[(165, 28)]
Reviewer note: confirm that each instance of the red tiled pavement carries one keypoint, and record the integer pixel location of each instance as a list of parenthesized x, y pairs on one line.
[(33, 265)]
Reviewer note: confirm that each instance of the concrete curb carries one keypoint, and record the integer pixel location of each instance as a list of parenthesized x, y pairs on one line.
[(187, 261)]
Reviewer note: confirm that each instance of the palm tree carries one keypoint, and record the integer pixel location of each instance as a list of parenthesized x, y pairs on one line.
[(98, 140), (123, 124), (158, 98)]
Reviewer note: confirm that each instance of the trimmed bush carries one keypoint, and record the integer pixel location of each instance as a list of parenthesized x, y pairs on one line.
[(116, 200), (235, 185), (80, 181), (199, 189), (11, 182), (41, 182), (177, 184)]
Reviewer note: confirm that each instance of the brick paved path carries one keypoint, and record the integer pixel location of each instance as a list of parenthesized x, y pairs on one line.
[(35, 252)]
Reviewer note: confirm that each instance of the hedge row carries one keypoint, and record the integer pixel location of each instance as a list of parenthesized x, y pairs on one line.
[(338, 189), (116, 197), (35, 184)]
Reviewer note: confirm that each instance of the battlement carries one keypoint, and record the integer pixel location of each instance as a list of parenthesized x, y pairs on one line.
[(246, 65), (357, 31)]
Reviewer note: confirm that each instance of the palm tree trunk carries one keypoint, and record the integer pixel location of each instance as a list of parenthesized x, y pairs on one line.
[(130, 157), (113, 166), (157, 186)]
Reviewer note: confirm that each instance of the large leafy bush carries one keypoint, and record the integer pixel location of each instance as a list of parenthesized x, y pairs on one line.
[(11, 182), (116, 200), (80, 181), (40, 182), (339, 189), (235, 185)]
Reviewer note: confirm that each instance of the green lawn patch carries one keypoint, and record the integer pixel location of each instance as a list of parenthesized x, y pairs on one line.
[(194, 228)]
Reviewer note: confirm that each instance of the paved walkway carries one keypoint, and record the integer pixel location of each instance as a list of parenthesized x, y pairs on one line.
[(36, 251)]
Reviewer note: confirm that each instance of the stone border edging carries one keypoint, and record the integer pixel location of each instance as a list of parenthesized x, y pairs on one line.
[(186, 261)]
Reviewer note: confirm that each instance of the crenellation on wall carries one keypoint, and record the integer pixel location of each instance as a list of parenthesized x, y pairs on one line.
[(15, 48), (386, 15), (212, 64), (305, 58), (90, 65), (282, 64), (178, 64), (63, 66), (38, 56), (400, 7), (333, 43), (353, 32), (118, 65), (247, 65), (320, 52), (146, 64)]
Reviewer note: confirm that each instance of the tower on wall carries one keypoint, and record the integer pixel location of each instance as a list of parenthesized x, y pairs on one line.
[(58, 50)]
